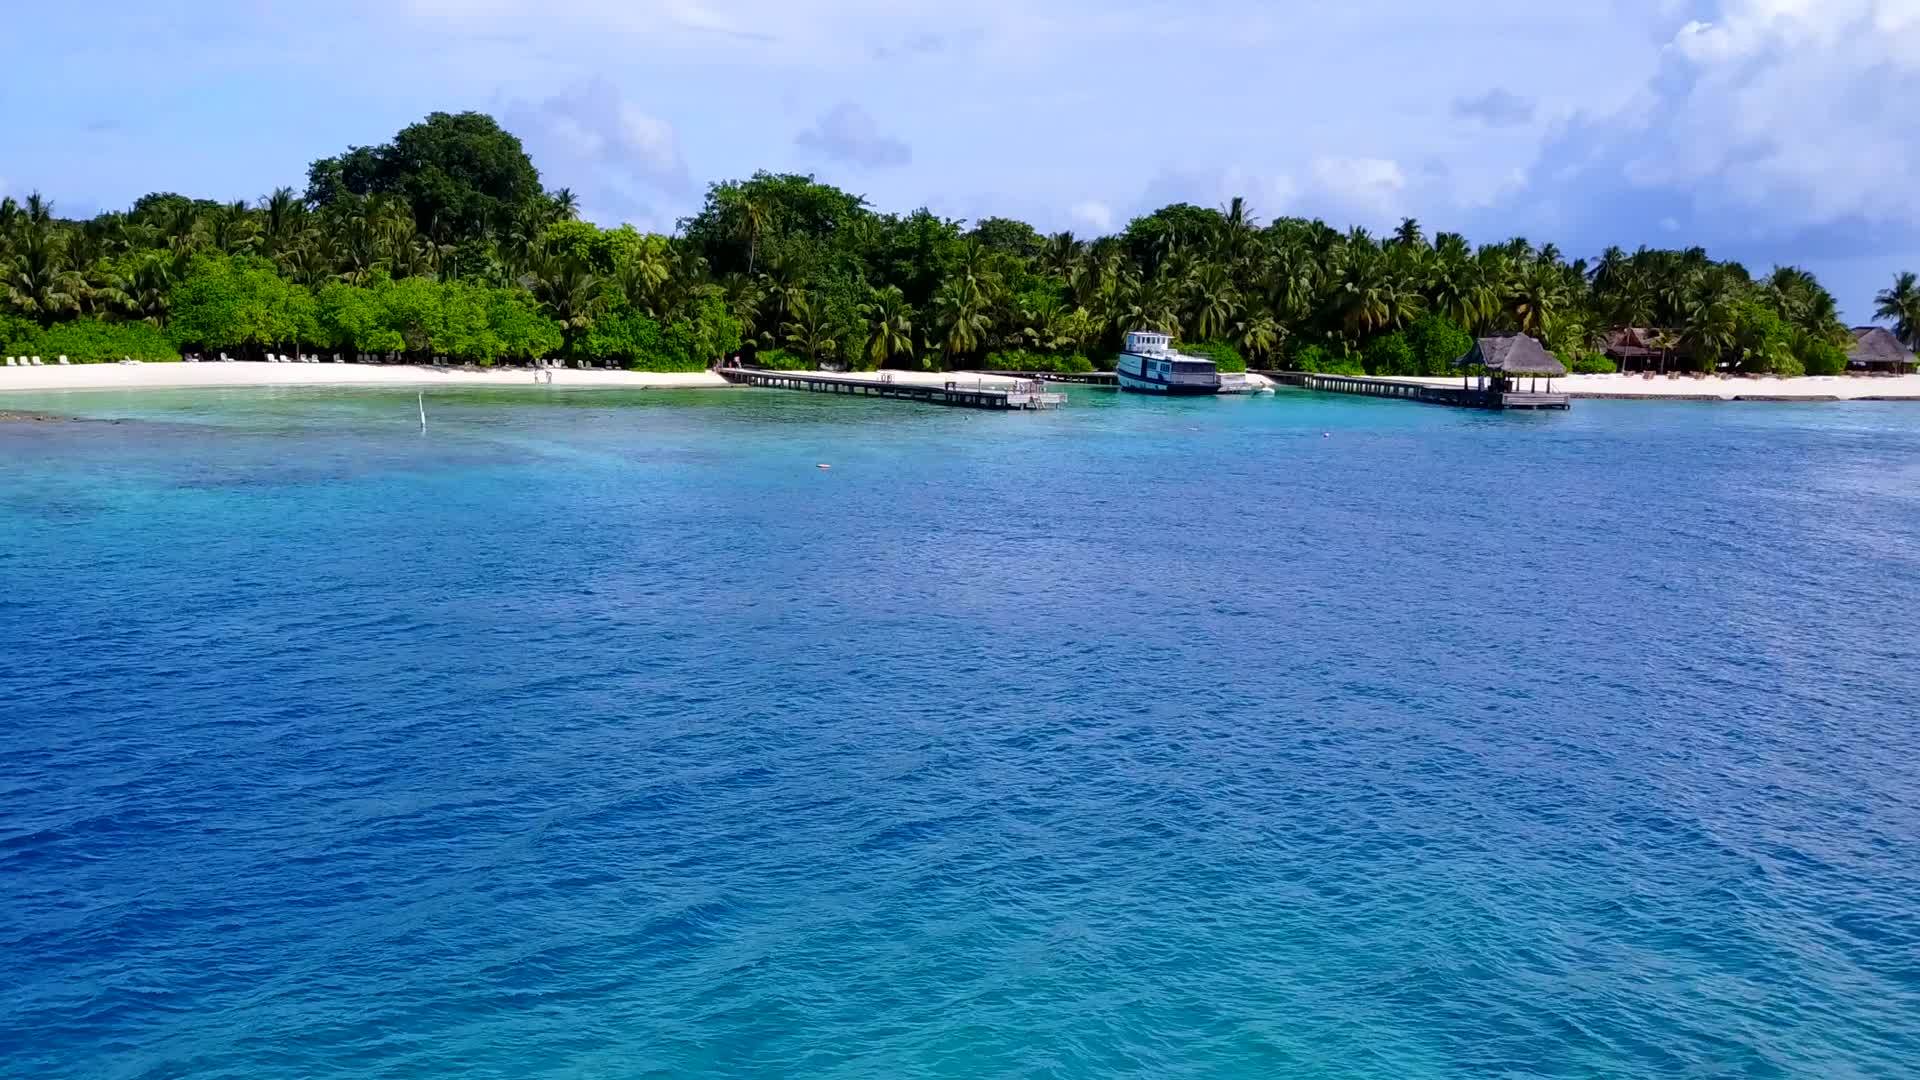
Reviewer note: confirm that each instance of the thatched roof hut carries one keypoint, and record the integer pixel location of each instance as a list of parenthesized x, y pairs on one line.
[(1633, 343), (1510, 355), (1876, 347)]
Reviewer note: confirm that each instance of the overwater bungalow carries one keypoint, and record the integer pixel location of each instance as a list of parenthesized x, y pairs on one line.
[(1503, 360), (1877, 352)]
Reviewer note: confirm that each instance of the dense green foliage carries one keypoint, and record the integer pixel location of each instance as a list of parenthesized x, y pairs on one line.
[(782, 360), (1223, 354), (85, 341), (460, 175), (1824, 358), (1026, 360), (442, 243)]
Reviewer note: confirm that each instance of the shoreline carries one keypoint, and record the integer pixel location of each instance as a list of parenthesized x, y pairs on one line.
[(253, 374), (241, 374), (1802, 389)]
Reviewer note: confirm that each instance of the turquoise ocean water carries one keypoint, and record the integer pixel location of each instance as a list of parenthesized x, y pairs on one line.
[(602, 734)]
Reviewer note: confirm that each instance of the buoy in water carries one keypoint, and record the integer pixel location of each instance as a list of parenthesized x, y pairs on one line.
[(823, 465), (1326, 434)]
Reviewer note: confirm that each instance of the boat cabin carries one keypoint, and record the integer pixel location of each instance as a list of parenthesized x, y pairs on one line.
[(1149, 343)]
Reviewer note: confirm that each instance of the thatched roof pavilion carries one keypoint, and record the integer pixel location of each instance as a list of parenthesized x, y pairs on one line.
[(1512, 354), (1644, 347), (1876, 347), (1633, 343)]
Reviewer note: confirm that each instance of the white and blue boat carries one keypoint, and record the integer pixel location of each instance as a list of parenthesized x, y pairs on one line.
[(1148, 365)]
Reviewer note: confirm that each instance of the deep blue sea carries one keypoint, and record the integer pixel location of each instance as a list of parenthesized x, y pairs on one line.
[(602, 734)]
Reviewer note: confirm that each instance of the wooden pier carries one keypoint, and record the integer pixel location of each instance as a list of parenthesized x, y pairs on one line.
[(1025, 394), (1466, 397), (1082, 378)]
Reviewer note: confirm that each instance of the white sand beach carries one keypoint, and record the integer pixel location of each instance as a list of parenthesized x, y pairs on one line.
[(187, 376), (1722, 388)]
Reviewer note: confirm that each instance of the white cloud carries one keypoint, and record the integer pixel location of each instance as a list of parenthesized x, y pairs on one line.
[(1097, 216), (1790, 107), (1370, 186), (619, 158), (849, 133)]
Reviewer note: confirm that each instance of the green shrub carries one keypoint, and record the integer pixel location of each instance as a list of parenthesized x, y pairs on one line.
[(1437, 342), (1389, 354), (91, 341), (1224, 355), (230, 301), (1022, 360), (17, 335), (1823, 358), (1318, 358), (782, 360), (1591, 363)]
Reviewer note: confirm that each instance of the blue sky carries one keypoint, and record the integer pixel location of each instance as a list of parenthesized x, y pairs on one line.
[(1768, 130)]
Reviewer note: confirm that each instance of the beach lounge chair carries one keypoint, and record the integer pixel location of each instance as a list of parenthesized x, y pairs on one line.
[(63, 361), (10, 362), (36, 362)]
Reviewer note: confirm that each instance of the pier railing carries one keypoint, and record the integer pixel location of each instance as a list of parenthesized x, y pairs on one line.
[(1468, 397), (977, 394), (1084, 378)]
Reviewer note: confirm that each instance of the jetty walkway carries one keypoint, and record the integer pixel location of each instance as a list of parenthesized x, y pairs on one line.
[(1020, 394), (1466, 397), (1083, 378)]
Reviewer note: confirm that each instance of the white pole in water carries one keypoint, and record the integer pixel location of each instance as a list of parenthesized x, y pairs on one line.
[(423, 412)]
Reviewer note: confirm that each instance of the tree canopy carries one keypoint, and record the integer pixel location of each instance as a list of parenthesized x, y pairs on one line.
[(442, 243), (461, 174)]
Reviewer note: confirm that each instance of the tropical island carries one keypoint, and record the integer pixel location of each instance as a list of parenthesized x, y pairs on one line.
[(443, 246)]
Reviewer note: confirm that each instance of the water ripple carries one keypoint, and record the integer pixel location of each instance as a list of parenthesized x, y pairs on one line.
[(607, 736)]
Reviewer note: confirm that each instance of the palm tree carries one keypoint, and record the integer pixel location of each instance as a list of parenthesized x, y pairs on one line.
[(39, 282), (1290, 280), (1358, 285), (960, 314), (568, 290), (1709, 330), (1259, 336), (808, 330), (1534, 296), (1237, 230), (1901, 305), (1459, 291), (1408, 235), (566, 205), (749, 216), (142, 291), (281, 217), (1063, 255), (889, 325), (1400, 303), (1211, 301)]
